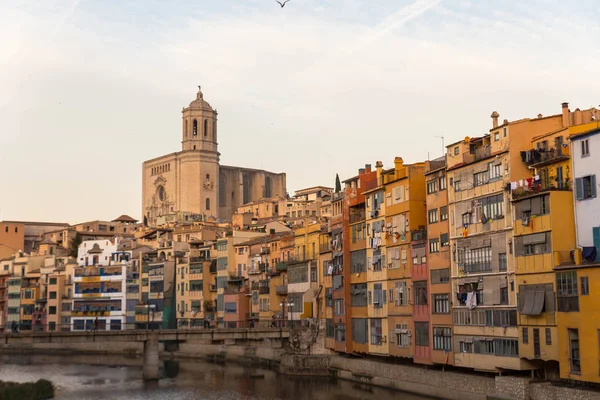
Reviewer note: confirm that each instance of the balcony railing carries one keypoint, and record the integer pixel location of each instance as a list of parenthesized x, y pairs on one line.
[(281, 290), (254, 286), (235, 278), (541, 157), (324, 247), (419, 234), (81, 272), (263, 290), (197, 259), (551, 183)]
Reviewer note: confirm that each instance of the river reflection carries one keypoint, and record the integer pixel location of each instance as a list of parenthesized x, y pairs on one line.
[(115, 377)]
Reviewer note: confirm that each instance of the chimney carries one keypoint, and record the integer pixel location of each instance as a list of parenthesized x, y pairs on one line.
[(367, 167), (379, 166), (565, 115), (495, 116), (539, 116), (361, 171), (578, 120), (398, 163)]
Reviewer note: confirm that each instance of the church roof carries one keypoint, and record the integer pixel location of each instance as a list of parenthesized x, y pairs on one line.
[(200, 103), (124, 218)]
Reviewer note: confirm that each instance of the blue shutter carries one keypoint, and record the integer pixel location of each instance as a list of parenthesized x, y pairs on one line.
[(596, 235), (593, 184), (579, 188)]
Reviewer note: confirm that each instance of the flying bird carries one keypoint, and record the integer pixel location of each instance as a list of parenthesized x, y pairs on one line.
[(282, 4)]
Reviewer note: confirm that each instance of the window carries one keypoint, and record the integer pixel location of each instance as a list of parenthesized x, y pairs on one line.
[(53, 281), (440, 276), (444, 240), (504, 295), (574, 351), (52, 295), (402, 339), (502, 262), (504, 132), (442, 339), (195, 128), (432, 186), (420, 290), (338, 282), (480, 178), (585, 286), (358, 295), (379, 296), (492, 207), (466, 347), (585, 187), (444, 213), (432, 216), (328, 297), (338, 307), (566, 291), (52, 310), (422, 334), (525, 335), (402, 293), (207, 204), (457, 185), (456, 151), (548, 336), (441, 304), (443, 183), (496, 136), (360, 329), (475, 260), (205, 127), (329, 328), (434, 245), (585, 148), (340, 333), (376, 331), (466, 218), (495, 171)]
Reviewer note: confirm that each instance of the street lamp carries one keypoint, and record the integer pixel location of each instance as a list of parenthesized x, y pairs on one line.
[(288, 310)]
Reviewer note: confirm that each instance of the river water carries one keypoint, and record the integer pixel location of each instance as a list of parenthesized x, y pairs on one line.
[(115, 377)]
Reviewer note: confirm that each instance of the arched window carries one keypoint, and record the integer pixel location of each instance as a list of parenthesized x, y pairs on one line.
[(205, 127), (207, 176), (195, 128), (207, 204)]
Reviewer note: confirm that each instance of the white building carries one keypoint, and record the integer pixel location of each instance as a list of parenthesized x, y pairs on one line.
[(586, 165), (100, 286)]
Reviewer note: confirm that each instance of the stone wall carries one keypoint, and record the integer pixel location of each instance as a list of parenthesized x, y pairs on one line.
[(547, 391)]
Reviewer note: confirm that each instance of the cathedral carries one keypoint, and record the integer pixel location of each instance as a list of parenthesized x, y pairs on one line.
[(193, 181)]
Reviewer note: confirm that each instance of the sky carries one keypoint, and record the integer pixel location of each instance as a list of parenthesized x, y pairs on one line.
[(89, 89)]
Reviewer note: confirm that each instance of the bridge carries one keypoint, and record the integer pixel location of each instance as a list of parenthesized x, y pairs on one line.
[(149, 339)]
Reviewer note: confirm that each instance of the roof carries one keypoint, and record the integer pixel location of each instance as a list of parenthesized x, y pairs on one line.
[(585, 134), (124, 218), (264, 239), (200, 103), (47, 241)]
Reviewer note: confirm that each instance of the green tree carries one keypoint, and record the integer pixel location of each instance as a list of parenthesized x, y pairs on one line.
[(338, 185), (75, 242)]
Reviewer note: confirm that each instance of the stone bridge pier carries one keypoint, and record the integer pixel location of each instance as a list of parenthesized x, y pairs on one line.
[(151, 357)]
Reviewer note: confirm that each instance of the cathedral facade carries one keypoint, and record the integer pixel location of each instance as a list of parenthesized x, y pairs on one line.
[(193, 181)]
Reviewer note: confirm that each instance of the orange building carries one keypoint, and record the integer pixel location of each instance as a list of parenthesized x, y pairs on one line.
[(438, 262), (12, 238)]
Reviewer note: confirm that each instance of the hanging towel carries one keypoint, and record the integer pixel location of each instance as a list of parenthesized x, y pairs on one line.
[(521, 183), (529, 181), (513, 185), (471, 300), (330, 270)]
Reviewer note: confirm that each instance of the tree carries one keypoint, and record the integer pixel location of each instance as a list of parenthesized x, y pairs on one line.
[(74, 247), (338, 185)]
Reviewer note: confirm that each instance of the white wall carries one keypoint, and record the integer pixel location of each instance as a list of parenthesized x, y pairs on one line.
[(587, 212), (104, 258)]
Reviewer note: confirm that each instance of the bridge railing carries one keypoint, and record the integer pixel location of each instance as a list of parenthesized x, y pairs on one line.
[(182, 324)]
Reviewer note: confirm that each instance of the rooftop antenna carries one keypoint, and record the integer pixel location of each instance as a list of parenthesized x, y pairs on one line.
[(443, 147)]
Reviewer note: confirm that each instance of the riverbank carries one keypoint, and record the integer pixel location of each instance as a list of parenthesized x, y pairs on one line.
[(420, 380), (41, 389)]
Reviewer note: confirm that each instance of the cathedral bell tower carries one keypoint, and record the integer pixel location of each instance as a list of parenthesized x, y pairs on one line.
[(199, 126)]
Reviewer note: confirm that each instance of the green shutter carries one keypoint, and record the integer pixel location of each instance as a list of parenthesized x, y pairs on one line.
[(596, 235), (593, 184), (579, 188)]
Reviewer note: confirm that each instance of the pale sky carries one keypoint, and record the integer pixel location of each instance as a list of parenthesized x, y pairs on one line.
[(90, 89)]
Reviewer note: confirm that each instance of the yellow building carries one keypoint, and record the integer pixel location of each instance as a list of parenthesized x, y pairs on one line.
[(195, 299), (405, 223), (376, 274)]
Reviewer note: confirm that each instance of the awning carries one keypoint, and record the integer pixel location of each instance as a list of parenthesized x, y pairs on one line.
[(536, 238), (538, 302), (528, 304)]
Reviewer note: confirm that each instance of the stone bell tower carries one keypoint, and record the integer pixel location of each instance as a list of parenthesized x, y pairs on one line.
[(199, 125)]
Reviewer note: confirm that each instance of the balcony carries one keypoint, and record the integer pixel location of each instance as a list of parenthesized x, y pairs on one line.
[(543, 185), (197, 259), (254, 286), (254, 271), (281, 266), (272, 272), (540, 157), (235, 278), (265, 250), (262, 267), (263, 290), (281, 290), (419, 234)]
